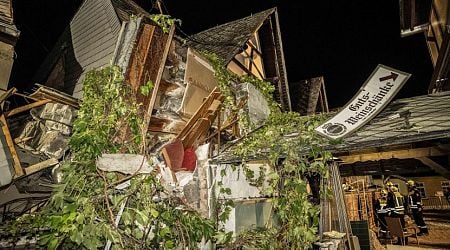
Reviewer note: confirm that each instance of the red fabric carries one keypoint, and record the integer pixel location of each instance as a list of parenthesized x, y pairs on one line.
[(190, 159)]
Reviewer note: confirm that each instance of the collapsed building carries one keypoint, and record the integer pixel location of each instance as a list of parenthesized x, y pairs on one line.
[(184, 117)]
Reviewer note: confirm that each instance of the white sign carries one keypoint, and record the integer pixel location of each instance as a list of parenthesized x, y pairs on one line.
[(374, 95)]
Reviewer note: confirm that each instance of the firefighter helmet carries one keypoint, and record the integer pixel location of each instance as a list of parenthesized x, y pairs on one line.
[(389, 184), (394, 189), (410, 183), (384, 192)]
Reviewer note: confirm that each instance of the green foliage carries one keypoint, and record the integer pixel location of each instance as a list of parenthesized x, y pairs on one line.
[(165, 21), (83, 208), (147, 88), (293, 151)]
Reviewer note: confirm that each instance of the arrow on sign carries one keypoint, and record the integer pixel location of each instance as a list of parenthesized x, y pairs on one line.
[(392, 76)]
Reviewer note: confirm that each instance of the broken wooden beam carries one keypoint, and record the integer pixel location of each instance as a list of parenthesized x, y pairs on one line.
[(7, 94), (215, 94), (9, 141), (24, 108), (399, 154), (40, 166)]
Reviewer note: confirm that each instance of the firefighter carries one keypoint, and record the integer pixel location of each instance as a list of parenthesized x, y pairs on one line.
[(396, 207), (381, 212), (415, 204)]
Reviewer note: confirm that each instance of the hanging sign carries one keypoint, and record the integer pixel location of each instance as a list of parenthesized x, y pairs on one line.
[(374, 95)]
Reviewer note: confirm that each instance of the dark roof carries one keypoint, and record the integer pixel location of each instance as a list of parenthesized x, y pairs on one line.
[(430, 118), (228, 39), (6, 18)]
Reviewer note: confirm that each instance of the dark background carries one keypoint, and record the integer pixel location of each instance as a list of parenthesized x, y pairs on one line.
[(340, 40)]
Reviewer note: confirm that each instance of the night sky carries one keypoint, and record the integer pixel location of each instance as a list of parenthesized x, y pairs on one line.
[(340, 40)]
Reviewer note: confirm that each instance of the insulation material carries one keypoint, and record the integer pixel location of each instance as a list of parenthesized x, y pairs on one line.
[(124, 163), (31, 135), (49, 131), (56, 116), (202, 152), (257, 106), (53, 143), (172, 85), (200, 81), (171, 100)]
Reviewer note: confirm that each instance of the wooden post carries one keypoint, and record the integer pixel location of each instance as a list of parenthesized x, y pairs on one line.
[(218, 132), (17, 167)]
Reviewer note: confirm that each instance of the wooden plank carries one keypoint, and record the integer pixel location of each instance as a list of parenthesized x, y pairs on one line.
[(399, 154), (44, 92), (159, 124), (155, 90), (199, 113), (17, 167), (140, 52), (169, 164), (198, 130), (218, 133), (7, 94), (41, 165), (27, 107)]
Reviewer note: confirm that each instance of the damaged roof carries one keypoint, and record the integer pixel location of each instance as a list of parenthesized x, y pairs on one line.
[(430, 120), (228, 39)]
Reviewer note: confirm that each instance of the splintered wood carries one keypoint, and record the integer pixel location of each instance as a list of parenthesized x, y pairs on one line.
[(196, 129), (147, 64), (360, 207)]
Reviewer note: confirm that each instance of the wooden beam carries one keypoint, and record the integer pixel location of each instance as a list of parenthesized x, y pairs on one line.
[(215, 94), (7, 94), (9, 141), (27, 107), (242, 66), (41, 165), (252, 62), (399, 154), (155, 90), (438, 168), (254, 48)]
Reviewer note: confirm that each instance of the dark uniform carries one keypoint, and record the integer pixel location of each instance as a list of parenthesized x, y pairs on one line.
[(381, 210), (415, 204), (396, 208)]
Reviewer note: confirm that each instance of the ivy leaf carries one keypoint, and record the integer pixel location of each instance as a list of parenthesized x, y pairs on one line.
[(154, 213), (138, 233), (168, 244), (164, 231), (53, 244), (145, 89)]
